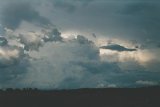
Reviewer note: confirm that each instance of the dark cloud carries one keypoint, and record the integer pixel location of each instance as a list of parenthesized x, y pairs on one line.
[(10, 75), (146, 12), (54, 35), (94, 35), (157, 44), (82, 40), (141, 8), (3, 41), (117, 47), (14, 13), (1, 30), (146, 17), (85, 2), (123, 19), (65, 5), (70, 5)]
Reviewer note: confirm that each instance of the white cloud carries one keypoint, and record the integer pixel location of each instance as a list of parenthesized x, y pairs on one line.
[(147, 83), (31, 41), (9, 55)]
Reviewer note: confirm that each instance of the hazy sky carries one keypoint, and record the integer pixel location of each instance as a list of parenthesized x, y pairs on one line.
[(50, 44)]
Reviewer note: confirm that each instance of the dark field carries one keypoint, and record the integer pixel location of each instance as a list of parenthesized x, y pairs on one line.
[(140, 97)]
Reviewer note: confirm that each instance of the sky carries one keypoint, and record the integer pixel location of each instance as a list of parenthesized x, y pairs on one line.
[(59, 44)]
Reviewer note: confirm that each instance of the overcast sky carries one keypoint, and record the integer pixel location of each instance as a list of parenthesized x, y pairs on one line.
[(50, 44)]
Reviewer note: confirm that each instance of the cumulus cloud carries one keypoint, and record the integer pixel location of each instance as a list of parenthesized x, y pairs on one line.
[(61, 64), (71, 64), (116, 47), (14, 13), (75, 63)]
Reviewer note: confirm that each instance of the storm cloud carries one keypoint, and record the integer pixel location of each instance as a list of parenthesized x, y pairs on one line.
[(70, 5), (92, 44), (14, 13)]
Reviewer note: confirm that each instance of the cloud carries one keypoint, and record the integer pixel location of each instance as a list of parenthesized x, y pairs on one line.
[(58, 63), (71, 64), (70, 5), (137, 20), (64, 5), (31, 41), (3, 41), (85, 2), (14, 13), (146, 83), (75, 63), (10, 55), (146, 15), (53, 35), (68, 63), (116, 47), (1, 30), (35, 40), (136, 8), (12, 73), (82, 40)]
